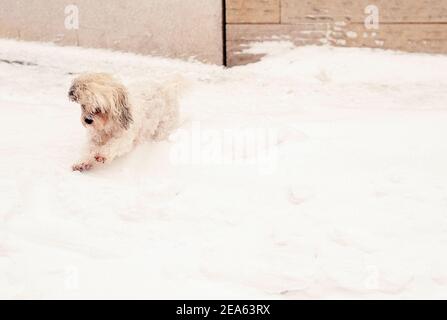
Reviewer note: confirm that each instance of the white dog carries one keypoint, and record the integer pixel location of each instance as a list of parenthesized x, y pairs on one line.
[(118, 119)]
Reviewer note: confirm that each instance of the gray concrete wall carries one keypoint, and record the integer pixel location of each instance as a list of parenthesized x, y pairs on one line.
[(173, 28)]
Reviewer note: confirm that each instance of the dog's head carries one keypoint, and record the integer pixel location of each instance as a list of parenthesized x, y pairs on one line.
[(104, 102)]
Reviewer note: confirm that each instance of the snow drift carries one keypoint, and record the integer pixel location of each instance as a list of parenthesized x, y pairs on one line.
[(343, 196)]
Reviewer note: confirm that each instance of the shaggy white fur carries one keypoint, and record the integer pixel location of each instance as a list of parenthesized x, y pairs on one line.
[(118, 118)]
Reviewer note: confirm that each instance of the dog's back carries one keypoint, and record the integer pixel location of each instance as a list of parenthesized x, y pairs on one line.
[(156, 105)]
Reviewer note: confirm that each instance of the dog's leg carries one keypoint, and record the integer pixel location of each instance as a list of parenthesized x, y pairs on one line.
[(162, 132), (98, 155), (82, 166), (88, 160), (114, 148)]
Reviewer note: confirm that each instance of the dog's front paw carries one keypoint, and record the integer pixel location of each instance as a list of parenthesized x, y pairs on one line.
[(84, 166), (100, 158)]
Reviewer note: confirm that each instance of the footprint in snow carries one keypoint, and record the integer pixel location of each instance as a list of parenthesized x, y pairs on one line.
[(299, 195)]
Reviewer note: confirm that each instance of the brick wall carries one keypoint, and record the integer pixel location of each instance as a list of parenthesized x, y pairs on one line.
[(407, 25)]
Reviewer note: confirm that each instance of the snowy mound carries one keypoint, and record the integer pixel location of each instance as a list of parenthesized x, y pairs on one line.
[(315, 173)]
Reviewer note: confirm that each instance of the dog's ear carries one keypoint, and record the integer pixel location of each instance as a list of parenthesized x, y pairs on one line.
[(73, 93), (122, 111)]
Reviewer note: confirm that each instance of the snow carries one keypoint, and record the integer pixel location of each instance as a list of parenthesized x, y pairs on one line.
[(335, 189)]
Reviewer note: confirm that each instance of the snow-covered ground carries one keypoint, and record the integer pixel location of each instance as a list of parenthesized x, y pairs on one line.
[(332, 182)]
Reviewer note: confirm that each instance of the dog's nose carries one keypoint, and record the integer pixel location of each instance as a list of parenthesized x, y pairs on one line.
[(88, 121)]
